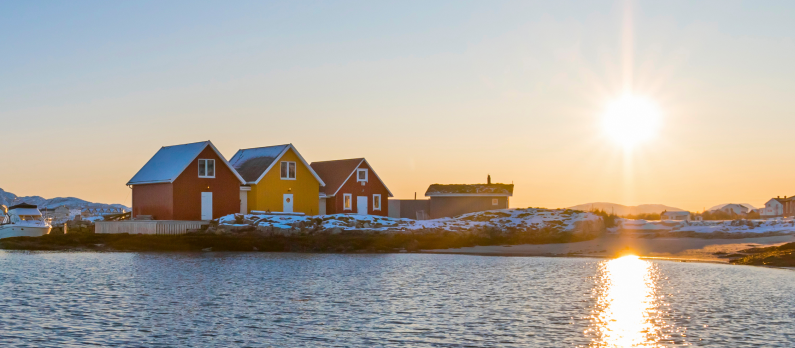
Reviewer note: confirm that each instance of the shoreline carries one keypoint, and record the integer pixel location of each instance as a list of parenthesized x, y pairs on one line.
[(678, 248), (776, 250)]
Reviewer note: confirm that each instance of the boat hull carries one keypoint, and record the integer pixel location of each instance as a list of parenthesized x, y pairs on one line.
[(23, 231)]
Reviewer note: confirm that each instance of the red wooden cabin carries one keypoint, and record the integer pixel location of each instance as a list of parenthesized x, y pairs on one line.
[(352, 187), (186, 182)]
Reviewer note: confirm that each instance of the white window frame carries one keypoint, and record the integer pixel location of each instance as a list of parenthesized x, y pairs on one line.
[(205, 161), (379, 202), (366, 174), (495, 201), (349, 198), (295, 170)]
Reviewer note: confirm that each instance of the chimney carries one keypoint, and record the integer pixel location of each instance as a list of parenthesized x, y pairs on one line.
[(488, 179)]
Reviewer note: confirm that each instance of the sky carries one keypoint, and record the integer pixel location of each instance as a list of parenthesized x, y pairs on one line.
[(428, 91)]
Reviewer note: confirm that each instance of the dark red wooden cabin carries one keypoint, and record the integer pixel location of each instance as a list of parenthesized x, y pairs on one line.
[(352, 187), (186, 182)]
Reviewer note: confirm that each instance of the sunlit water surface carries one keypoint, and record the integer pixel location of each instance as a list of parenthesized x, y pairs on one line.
[(304, 300)]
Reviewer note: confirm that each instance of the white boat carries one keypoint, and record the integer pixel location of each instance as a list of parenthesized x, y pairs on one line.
[(22, 220)]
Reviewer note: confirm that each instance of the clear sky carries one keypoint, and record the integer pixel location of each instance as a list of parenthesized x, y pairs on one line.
[(428, 91)]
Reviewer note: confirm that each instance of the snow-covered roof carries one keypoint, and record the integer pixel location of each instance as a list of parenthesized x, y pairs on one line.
[(170, 161), (253, 164), (470, 190), (681, 212)]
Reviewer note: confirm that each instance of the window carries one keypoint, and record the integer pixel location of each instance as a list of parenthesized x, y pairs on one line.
[(361, 175), (347, 202), (495, 201), (376, 202), (206, 168), (288, 170)]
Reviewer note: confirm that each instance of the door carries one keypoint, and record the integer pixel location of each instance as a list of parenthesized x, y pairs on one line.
[(287, 204), (244, 202), (361, 205), (207, 206)]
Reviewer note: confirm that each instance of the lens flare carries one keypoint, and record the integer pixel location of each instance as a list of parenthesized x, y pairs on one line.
[(631, 120)]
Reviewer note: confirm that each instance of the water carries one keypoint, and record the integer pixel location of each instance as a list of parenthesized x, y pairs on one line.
[(306, 300)]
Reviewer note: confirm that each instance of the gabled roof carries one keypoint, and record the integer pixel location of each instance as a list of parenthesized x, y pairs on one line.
[(470, 190), (253, 164), (170, 161), (676, 212), (337, 173)]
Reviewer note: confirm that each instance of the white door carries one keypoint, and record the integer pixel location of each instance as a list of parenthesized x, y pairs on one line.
[(244, 202), (288, 203), (207, 205), (361, 205)]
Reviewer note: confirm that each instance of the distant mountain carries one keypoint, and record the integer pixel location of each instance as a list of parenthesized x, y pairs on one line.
[(751, 207), (8, 199), (619, 209)]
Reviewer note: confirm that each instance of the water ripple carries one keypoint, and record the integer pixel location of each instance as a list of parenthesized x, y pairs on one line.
[(305, 300)]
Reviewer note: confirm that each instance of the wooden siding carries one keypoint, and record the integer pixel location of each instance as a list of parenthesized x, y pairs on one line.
[(355, 188), (188, 188), (454, 206), (408, 208), (147, 227), (268, 194), (156, 200)]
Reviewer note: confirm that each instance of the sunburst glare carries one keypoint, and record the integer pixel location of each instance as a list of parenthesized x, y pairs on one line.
[(631, 120), (626, 314)]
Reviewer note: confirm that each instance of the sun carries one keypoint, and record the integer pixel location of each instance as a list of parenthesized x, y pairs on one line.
[(631, 120)]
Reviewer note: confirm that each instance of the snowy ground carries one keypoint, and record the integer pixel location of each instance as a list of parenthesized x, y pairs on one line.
[(724, 226), (521, 218)]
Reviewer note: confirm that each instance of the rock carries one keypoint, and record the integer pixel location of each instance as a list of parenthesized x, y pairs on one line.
[(366, 225), (336, 230), (208, 249), (255, 249)]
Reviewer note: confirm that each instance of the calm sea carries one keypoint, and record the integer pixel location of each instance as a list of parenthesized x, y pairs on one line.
[(409, 300)]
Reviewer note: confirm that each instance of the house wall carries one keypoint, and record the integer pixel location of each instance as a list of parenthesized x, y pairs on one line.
[(773, 208), (408, 208), (371, 187), (188, 188), (453, 206), (156, 200), (269, 192)]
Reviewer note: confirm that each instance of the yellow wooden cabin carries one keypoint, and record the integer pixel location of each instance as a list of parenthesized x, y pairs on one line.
[(280, 180)]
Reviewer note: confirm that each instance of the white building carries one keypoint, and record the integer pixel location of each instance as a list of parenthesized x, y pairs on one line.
[(675, 215), (773, 208), (736, 209)]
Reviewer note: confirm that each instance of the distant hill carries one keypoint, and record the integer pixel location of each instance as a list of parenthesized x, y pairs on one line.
[(619, 209), (751, 207), (8, 199)]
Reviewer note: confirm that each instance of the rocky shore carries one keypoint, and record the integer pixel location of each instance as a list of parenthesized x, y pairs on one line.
[(342, 233), (321, 241), (775, 256)]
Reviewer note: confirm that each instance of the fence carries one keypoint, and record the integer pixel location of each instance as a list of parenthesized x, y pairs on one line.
[(164, 227)]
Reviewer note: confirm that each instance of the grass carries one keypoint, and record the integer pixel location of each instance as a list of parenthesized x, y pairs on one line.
[(779, 256), (318, 242)]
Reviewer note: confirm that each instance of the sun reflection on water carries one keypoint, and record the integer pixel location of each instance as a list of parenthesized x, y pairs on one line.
[(626, 313)]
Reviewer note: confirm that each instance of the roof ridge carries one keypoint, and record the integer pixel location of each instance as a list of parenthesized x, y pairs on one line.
[(193, 143), (339, 160), (262, 147)]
